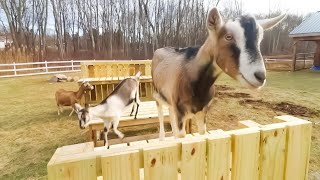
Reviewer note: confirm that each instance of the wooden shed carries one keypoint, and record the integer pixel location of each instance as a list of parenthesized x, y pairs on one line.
[(308, 30)]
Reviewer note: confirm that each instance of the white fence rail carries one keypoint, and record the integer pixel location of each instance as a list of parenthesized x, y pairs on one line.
[(36, 68)]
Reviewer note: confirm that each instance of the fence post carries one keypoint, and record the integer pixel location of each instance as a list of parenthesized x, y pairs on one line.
[(72, 65), (14, 68), (46, 64)]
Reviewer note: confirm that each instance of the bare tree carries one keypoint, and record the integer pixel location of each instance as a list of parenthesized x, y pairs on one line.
[(15, 12)]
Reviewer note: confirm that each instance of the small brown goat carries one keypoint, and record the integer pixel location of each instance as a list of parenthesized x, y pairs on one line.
[(69, 98)]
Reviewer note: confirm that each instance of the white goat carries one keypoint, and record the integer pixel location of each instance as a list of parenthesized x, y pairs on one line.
[(183, 78), (111, 108), (69, 98)]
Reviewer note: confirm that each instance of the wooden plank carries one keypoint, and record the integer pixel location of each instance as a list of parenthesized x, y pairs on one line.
[(161, 162), (272, 153), (298, 151), (77, 148), (139, 144), (193, 160), (80, 169), (136, 138), (248, 123), (245, 155), (117, 146), (286, 118), (121, 166), (54, 157), (219, 153)]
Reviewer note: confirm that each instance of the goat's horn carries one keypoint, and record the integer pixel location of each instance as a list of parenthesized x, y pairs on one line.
[(270, 23)]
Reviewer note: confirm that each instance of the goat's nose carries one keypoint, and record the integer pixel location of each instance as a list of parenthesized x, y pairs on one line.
[(260, 76)]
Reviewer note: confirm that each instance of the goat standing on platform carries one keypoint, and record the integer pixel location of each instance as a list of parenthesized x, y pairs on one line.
[(69, 98), (111, 108), (183, 78)]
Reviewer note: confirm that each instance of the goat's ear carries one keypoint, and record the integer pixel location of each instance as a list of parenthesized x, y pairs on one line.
[(77, 107), (267, 24), (214, 20)]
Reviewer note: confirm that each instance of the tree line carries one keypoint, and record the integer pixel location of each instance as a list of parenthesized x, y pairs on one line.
[(119, 29)]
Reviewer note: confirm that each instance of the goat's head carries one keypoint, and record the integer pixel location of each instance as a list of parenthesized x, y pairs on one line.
[(83, 115), (236, 46), (86, 86)]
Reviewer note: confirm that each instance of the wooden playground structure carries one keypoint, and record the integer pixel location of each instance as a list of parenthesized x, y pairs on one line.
[(274, 151), (104, 76)]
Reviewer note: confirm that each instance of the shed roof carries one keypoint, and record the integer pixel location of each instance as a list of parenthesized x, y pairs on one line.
[(308, 27)]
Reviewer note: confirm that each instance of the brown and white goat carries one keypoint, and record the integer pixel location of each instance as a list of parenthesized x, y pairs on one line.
[(184, 78), (111, 108), (69, 98)]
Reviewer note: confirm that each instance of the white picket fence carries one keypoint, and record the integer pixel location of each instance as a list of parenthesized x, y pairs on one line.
[(47, 67)]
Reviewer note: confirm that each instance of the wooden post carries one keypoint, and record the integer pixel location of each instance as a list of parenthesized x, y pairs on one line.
[(14, 68), (219, 156), (298, 150), (294, 58), (46, 65), (121, 166), (193, 159), (160, 162), (316, 61), (272, 152), (245, 156), (72, 68), (189, 126)]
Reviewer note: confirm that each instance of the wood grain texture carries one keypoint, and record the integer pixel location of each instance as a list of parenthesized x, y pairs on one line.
[(245, 155), (121, 166), (193, 160), (161, 162), (219, 153)]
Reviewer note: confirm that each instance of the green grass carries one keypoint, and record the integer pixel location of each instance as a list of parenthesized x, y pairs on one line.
[(31, 130)]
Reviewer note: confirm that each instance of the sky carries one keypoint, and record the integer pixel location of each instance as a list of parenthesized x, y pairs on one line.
[(292, 6)]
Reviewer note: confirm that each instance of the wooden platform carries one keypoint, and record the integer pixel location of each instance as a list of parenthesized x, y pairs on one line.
[(147, 114), (274, 151)]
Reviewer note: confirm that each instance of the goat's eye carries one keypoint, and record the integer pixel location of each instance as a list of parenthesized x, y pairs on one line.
[(228, 37)]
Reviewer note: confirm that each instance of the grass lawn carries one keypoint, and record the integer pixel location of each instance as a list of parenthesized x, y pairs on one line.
[(31, 130)]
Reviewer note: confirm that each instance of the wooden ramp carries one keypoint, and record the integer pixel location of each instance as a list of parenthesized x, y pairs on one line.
[(147, 114), (264, 152)]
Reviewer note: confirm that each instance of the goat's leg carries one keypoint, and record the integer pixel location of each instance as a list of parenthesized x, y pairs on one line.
[(132, 110), (107, 126), (181, 125), (73, 109), (71, 112), (135, 116), (173, 122), (61, 108), (201, 122), (162, 133), (115, 127), (58, 109), (137, 100)]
